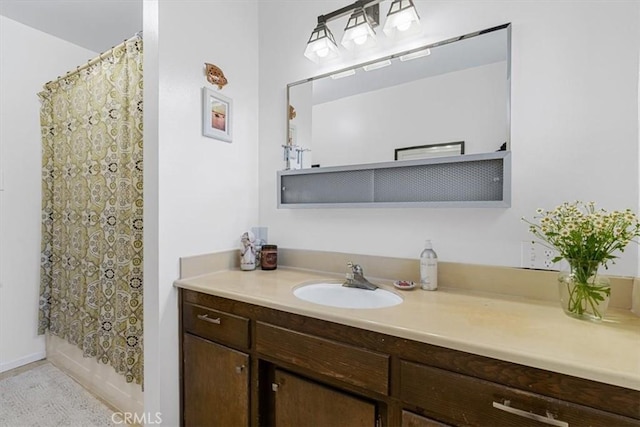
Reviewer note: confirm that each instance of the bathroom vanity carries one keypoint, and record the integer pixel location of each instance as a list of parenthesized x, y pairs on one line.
[(253, 354)]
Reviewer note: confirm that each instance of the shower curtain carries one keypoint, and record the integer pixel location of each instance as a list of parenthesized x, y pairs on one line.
[(91, 261)]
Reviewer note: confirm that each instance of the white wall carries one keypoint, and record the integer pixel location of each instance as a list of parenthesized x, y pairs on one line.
[(466, 105), (29, 59), (574, 129), (205, 191)]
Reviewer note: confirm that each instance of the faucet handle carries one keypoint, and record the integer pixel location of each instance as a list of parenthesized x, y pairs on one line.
[(355, 268), (349, 274)]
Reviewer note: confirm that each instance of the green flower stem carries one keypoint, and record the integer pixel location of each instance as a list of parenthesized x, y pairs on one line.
[(583, 293)]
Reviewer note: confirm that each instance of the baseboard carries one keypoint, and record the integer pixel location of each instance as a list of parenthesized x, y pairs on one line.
[(98, 378), (7, 366)]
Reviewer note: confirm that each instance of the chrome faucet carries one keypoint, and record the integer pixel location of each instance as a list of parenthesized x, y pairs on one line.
[(355, 278)]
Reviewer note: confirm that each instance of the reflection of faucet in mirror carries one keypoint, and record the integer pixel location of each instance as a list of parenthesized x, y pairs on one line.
[(355, 278), (293, 156)]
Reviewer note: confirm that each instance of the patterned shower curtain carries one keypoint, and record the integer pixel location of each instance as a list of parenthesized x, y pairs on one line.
[(91, 262)]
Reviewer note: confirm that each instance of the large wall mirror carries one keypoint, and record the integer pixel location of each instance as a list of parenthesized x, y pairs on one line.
[(447, 98)]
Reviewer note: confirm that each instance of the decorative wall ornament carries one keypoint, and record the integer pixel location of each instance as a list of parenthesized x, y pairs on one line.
[(215, 76)]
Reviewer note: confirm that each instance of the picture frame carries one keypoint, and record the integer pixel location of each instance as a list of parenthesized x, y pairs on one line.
[(428, 151), (217, 115)]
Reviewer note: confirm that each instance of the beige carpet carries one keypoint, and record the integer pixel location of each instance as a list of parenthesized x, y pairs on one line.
[(44, 396)]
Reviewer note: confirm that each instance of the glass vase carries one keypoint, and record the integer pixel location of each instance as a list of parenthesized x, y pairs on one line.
[(584, 293)]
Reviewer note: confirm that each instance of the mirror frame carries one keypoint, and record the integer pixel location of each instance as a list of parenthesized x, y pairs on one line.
[(506, 26)]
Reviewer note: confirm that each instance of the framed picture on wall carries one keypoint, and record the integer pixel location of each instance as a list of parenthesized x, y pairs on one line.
[(217, 114), (432, 150)]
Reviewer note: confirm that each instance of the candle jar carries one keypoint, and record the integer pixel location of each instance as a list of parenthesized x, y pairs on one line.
[(269, 257)]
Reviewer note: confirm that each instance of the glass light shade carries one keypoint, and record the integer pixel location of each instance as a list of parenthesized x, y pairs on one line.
[(321, 45), (358, 33), (402, 17)]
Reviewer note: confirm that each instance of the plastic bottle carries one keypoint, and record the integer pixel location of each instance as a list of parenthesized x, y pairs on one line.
[(428, 268)]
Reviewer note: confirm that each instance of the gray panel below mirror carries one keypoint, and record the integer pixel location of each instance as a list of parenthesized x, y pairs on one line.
[(477, 180)]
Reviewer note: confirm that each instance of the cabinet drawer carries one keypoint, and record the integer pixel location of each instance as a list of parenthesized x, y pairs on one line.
[(352, 365), (463, 400), (216, 325)]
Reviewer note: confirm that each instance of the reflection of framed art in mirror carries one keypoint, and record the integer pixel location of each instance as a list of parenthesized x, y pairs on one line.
[(431, 150), (292, 135)]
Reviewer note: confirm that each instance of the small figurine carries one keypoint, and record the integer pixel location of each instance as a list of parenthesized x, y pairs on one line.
[(248, 251), (215, 76)]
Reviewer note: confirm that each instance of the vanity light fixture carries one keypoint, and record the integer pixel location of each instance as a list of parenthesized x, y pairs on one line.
[(359, 31), (321, 45), (364, 16), (401, 17)]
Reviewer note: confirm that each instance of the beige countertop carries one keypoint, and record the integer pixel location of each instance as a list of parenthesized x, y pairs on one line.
[(528, 332)]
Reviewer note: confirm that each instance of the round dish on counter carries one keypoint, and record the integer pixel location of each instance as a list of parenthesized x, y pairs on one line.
[(405, 285)]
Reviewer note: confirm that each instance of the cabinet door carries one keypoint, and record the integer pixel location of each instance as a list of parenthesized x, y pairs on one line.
[(216, 384), (409, 419), (301, 402)]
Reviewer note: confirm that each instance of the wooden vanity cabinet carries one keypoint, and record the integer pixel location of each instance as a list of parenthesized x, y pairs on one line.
[(216, 384), (301, 402), (332, 359), (215, 376), (464, 400), (409, 419), (299, 368)]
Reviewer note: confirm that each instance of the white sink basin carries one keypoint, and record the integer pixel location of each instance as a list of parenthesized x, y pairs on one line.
[(335, 295)]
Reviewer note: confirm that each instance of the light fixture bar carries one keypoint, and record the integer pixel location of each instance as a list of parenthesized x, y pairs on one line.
[(344, 11)]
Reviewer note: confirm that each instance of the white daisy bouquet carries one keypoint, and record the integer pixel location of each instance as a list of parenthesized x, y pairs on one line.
[(587, 238), (580, 232)]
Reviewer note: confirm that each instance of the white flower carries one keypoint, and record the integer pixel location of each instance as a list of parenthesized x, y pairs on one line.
[(578, 230)]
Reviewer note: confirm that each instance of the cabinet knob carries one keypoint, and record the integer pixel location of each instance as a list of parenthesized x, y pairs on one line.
[(274, 387), (530, 415), (239, 369)]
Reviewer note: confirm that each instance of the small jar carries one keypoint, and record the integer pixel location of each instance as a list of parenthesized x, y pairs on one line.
[(269, 257)]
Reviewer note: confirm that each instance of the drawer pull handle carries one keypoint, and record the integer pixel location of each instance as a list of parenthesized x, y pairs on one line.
[(206, 318), (519, 412)]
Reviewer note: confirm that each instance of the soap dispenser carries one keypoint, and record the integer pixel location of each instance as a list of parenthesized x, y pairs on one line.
[(428, 268)]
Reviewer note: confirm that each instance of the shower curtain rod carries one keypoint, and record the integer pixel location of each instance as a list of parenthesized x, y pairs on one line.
[(93, 61)]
